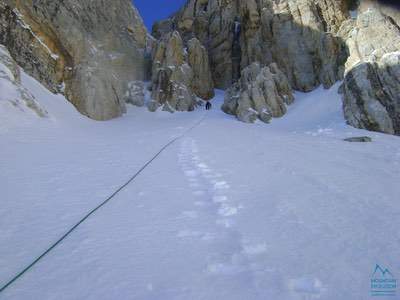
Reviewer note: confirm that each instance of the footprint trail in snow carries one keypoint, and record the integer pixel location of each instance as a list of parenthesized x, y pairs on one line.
[(213, 221)]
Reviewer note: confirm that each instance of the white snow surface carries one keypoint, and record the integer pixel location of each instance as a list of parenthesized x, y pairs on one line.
[(230, 211)]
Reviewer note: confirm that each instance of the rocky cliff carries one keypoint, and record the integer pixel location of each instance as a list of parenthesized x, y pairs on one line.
[(309, 43), (299, 38), (371, 88), (98, 53), (171, 76), (261, 93), (88, 50), (298, 35), (180, 73)]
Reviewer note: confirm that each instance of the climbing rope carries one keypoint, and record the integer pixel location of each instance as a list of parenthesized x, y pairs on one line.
[(16, 277)]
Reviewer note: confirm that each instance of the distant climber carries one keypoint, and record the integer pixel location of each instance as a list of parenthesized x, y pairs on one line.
[(208, 105)]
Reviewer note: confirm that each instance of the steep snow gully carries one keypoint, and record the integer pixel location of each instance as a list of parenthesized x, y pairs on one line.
[(229, 210)]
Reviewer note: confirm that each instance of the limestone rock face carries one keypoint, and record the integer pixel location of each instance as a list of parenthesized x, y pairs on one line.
[(14, 96), (300, 36), (261, 93), (303, 42), (89, 50), (371, 88), (388, 8), (202, 83), (171, 76)]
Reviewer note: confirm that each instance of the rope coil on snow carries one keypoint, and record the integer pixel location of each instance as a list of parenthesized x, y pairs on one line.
[(16, 277)]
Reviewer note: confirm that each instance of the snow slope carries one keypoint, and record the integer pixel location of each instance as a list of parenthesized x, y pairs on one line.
[(230, 211)]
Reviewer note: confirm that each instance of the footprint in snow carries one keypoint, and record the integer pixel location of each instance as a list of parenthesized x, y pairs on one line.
[(219, 199), (306, 286), (221, 185), (255, 249), (227, 211)]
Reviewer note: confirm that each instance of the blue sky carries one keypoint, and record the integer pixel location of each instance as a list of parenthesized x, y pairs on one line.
[(154, 10)]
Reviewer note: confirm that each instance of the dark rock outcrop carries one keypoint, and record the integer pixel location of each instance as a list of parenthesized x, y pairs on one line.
[(358, 139)]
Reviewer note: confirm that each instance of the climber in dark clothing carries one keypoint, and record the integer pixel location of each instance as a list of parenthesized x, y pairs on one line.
[(208, 105)]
